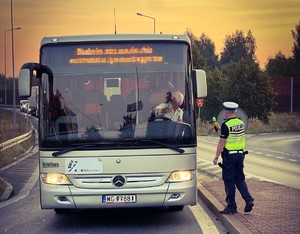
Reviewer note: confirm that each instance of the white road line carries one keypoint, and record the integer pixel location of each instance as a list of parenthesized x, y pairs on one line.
[(203, 163), (204, 221), (213, 141), (210, 167), (293, 160), (24, 191), (248, 175)]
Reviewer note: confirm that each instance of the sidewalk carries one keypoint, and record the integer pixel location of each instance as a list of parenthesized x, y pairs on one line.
[(18, 173), (276, 209)]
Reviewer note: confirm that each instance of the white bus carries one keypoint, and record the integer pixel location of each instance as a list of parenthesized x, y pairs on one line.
[(103, 141)]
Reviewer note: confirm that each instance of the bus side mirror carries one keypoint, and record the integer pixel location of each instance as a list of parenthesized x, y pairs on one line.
[(26, 76), (199, 77), (24, 82)]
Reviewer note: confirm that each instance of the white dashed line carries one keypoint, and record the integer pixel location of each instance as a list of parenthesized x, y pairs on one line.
[(271, 153), (293, 160)]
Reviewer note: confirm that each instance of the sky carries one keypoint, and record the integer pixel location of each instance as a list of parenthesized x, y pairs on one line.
[(270, 21)]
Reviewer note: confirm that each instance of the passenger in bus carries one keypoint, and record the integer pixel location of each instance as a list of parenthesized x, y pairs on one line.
[(172, 108)]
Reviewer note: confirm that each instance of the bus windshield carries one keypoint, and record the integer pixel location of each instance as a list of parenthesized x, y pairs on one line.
[(117, 95)]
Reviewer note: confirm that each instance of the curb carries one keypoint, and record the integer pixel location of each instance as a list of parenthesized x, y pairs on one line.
[(231, 222), (7, 191), (8, 187)]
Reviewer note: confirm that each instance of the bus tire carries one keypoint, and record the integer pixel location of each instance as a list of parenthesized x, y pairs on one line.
[(61, 211), (176, 208)]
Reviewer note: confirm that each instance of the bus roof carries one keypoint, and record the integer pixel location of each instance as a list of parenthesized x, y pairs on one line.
[(114, 38)]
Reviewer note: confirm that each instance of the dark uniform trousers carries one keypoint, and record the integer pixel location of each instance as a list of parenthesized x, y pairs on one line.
[(233, 176)]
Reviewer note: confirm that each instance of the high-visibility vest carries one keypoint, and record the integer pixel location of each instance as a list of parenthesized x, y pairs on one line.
[(236, 137)]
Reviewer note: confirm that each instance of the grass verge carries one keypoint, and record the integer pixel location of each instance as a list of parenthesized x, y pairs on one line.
[(9, 131), (283, 122)]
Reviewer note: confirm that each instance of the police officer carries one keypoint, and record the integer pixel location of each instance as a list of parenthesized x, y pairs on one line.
[(231, 145)]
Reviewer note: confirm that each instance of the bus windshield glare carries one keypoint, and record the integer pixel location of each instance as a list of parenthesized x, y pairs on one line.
[(117, 95)]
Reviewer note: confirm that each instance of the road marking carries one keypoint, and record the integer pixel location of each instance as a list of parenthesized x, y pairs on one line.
[(263, 154), (24, 191), (248, 175), (204, 221), (293, 160), (210, 167), (218, 173), (213, 141)]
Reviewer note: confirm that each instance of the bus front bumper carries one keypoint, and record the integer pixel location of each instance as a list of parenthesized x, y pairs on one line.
[(70, 197)]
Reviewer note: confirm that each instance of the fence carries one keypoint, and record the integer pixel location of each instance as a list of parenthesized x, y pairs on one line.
[(288, 94)]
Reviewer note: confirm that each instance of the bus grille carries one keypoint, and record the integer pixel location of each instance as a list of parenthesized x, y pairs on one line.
[(111, 181)]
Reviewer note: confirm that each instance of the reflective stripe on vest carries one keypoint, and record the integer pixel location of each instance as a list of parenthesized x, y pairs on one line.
[(236, 137)]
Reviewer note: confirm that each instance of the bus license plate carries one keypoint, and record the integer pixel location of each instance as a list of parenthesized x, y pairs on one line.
[(117, 199)]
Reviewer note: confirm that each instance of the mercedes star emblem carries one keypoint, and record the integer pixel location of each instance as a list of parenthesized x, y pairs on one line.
[(118, 181)]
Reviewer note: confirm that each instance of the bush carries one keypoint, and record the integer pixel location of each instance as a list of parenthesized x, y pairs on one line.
[(283, 122)]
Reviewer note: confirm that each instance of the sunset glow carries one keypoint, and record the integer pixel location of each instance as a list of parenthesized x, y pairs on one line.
[(270, 21)]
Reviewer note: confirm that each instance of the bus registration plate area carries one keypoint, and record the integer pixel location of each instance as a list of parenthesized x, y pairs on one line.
[(118, 199)]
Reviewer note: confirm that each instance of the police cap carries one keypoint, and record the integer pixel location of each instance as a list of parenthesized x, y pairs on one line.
[(230, 106)]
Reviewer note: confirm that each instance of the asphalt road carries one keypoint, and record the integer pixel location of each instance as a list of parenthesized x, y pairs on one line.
[(22, 214), (25, 216), (272, 157)]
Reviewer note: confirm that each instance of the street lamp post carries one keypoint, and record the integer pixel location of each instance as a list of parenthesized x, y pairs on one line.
[(5, 92), (13, 62), (139, 14)]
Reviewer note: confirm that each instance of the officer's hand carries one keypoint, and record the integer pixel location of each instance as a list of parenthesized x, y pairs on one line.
[(215, 161)]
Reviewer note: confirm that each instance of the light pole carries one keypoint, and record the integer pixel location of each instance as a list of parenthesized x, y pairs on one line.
[(13, 62), (5, 92), (139, 14)]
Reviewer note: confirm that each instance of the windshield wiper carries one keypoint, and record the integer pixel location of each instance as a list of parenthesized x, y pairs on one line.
[(87, 145), (177, 149), (54, 154)]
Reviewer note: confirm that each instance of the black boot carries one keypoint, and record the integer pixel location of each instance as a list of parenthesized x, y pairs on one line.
[(249, 206), (228, 210)]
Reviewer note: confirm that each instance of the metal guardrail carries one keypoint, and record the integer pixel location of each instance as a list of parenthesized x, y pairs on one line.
[(15, 141), (9, 106)]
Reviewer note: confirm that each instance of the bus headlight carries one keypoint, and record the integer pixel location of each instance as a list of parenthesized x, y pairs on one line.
[(181, 176), (55, 179)]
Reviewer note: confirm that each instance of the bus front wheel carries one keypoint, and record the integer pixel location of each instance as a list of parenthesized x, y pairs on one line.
[(176, 208), (61, 211)]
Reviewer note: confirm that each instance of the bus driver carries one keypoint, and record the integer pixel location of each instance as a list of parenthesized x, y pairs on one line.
[(172, 107)]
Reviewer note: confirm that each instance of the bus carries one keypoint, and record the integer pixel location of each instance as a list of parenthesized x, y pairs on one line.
[(107, 136)]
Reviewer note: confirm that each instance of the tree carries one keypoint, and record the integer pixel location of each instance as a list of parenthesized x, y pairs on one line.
[(215, 98), (2, 81), (242, 82), (204, 55), (296, 47), (237, 47), (280, 65), (247, 85), (198, 62), (207, 49), (237, 78)]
